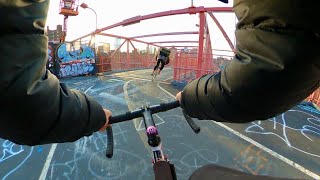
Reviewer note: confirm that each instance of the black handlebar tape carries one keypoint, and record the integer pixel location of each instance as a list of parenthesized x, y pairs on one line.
[(138, 113), (164, 106), (125, 117), (191, 122), (109, 151)]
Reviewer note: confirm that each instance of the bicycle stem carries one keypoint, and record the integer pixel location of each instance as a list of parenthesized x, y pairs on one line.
[(154, 139)]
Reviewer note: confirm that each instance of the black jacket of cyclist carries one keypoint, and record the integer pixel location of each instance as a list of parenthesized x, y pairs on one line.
[(35, 107), (162, 59), (276, 65)]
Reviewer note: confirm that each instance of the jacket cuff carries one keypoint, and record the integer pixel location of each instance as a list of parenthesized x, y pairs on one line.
[(97, 117), (196, 101)]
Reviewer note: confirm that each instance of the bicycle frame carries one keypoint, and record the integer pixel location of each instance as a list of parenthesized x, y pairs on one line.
[(162, 167), (155, 73)]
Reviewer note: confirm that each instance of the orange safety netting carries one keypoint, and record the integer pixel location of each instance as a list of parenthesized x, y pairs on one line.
[(124, 61), (186, 66)]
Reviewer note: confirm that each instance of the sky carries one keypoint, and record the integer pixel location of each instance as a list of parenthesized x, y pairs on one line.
[(111, 12)]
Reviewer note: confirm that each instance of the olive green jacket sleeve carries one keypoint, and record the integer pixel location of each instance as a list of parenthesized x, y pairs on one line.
[(35, 107), (276, 66)]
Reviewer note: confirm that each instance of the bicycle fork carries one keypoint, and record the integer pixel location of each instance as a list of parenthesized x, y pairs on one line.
[(162, 167)]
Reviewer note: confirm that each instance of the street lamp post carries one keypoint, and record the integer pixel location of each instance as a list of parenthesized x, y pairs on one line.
[(85, 6)]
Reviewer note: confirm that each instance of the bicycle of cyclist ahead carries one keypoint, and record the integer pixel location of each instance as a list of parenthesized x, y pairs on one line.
[(155, 73), (162, 59), (163, 169)]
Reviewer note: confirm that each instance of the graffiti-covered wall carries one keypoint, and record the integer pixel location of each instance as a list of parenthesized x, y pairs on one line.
[(75, 62), (66, 61)]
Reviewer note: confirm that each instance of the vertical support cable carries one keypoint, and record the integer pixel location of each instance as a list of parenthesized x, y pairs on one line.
[(200, 47), (128, 55)]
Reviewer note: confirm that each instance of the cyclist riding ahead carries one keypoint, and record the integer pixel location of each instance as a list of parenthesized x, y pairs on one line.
[(163, 59)]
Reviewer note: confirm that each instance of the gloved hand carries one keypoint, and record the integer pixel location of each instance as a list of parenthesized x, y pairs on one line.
[(178, 96), (108, 114)]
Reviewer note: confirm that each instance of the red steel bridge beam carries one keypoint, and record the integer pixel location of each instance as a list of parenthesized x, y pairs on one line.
[(222, 30), (202, 23), (175, 42), (137, 19), (123, 37), (166, 34), (179, 46)]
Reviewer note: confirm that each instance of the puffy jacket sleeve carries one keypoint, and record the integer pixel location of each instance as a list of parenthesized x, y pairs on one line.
[(35, 107), (276, 66)]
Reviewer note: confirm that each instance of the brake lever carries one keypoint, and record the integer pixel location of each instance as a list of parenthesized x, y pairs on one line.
[(191, 122), (109, 151)]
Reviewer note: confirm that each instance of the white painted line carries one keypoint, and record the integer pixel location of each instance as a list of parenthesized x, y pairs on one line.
[(316, 106), (48, 162), (139, 78), (168, 79), (113, 98), (140, 125), (271, 152), (166, 91)]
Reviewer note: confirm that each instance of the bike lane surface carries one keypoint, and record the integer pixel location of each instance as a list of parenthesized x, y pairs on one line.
[(119, 92)]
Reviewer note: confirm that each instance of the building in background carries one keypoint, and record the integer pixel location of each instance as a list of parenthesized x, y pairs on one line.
[(104, 48), (54, 35), (117, 43)]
